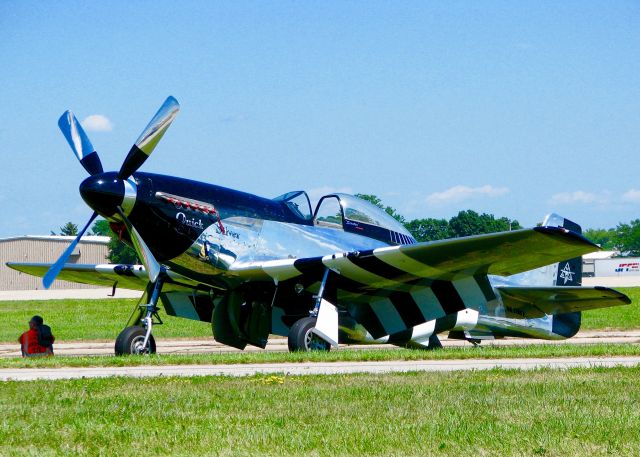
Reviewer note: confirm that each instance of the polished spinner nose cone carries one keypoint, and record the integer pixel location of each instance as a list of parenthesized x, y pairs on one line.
[(103, 192)]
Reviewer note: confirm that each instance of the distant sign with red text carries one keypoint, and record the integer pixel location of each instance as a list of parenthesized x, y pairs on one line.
[(626, 267), (617, 267)]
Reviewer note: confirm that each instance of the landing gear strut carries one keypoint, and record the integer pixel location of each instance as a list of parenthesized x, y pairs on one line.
[(319, 331), (137, 338)]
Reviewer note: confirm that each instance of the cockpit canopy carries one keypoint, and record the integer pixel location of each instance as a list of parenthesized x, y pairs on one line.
[(298, 203), (349, 213)]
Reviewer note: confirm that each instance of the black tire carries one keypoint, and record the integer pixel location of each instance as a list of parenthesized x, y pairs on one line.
[(301, 338), (130, 342)]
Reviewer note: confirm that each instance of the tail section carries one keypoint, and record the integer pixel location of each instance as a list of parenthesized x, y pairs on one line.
[(568, 273)]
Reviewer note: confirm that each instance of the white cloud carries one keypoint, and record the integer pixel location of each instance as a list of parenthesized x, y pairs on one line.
[(578, 196), (460, 193), (632, 196), (97, 123)]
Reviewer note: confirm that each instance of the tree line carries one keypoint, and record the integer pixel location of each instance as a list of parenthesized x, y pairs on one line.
[(625, 237), (118, 252), (466, 223)]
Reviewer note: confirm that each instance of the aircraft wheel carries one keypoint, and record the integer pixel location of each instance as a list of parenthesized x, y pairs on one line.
[(301, 338), (131, 339)]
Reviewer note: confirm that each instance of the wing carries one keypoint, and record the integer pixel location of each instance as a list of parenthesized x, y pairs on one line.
[(531, 302), (392, 289), (124, 276), (395, 267)]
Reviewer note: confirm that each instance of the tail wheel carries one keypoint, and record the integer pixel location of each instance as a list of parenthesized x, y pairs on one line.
[(131, 340), (302, 338)]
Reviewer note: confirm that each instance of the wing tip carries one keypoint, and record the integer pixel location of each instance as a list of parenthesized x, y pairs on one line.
[(568, 233), (622, 297)]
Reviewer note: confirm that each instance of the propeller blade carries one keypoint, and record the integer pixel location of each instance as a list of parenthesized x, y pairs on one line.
[(149, 138), (150, 263), (79, 142), (53, 272)]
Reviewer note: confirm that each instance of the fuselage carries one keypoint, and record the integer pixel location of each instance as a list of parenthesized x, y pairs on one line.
[(200, 230), (203, 231)]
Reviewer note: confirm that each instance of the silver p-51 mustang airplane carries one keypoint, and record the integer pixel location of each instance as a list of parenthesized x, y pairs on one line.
[(345, 273)]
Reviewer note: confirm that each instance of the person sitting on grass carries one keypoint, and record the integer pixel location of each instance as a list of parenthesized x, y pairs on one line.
[(38, 340)]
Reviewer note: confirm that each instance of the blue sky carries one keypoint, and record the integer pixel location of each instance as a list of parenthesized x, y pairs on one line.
[(513, 108)]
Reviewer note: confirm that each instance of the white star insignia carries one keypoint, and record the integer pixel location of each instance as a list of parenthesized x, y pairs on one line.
[(566, 274)]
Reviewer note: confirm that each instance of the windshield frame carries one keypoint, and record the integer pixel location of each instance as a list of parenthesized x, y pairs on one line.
[(380, 225)]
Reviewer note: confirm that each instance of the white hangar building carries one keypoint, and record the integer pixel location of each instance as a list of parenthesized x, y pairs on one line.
[(91, 249)]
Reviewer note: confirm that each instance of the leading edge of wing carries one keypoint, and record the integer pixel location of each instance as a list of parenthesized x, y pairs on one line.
[(502, 254), (127, 276)]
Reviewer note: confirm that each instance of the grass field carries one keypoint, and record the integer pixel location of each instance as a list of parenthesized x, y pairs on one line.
[(578, 412), (73, 320), (103, 319), (344, 355), (616, 318)]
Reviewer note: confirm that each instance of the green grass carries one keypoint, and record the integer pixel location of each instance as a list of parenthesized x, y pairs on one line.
[(344, 355), (577, 412), (73, 320), (625, 317)]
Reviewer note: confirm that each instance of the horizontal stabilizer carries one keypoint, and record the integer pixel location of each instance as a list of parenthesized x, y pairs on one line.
[(532, 302)]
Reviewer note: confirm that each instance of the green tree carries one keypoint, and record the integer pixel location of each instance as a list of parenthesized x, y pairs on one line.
[(606, 238), (388, 209), (119, 252), (628, 238), (101, 228), (68, 229), (429, 229), (469, 222)]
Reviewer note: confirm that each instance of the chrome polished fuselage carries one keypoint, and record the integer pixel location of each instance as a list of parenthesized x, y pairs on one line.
[(204, 232)]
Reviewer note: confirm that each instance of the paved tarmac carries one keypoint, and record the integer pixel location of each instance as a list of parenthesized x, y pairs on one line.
[(208, 346), (276, 344), (31, 374), (61, 294)]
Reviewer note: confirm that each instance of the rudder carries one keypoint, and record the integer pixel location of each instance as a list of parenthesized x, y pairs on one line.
[(568, 273)]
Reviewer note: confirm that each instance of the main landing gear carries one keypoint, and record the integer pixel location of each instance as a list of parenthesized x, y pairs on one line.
[(319, 331), (137, 338), (302, 338)]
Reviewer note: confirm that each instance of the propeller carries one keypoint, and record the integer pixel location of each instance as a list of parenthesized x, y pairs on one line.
[(79, 142), (148, 139), (54, 270), (108, 193), (150, 263)]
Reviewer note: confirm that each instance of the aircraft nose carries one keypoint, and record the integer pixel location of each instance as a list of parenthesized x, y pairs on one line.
[(103, 192)]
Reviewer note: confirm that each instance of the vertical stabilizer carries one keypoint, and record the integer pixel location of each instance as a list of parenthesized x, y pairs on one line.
[(569, 273)]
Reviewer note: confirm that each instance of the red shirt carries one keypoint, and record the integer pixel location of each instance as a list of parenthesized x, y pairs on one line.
[(29, 343)]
